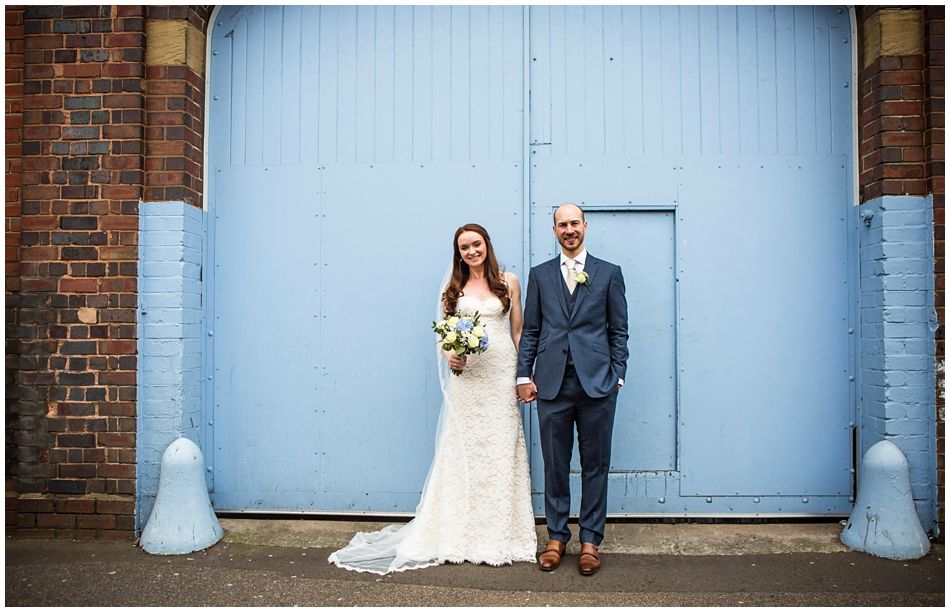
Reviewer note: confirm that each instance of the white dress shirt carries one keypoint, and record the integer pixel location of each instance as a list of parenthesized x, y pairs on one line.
[(579, 262)]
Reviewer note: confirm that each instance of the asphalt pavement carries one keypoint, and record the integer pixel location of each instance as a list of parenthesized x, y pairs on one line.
[(284, 563)]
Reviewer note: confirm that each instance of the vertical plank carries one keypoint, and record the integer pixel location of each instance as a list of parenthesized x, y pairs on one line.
[(290, 87), (441, 83), (766, 70), (591, 81), (365, 126), (840, 43), (672, 107), (614, 87), (384, 67), (254, 155), (423, 86), (748, 80), (347, 84), (690, 81), (823, 85), (310, 108), (633, 96), (459, 84), (729, 80), (785, 79), (329, 109), (403, 84), (558, 79), (479, 77), (575, 94), (513, 84), (496, 83), (805, 134), (273, 75), (709, 64), (239, 88), (652, 62)]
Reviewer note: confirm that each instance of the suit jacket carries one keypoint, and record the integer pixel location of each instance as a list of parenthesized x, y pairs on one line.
[(595, 330)]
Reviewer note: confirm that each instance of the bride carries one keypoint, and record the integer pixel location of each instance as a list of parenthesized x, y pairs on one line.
[(476, 502)]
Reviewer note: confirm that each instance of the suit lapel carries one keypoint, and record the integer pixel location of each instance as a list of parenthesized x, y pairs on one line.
[(590, 266), (554, 270)]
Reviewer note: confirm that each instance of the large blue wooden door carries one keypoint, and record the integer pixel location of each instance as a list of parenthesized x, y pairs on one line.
[(348, 143), (711, 147)]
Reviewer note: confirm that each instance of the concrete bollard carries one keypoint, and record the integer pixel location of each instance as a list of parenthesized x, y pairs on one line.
[(182, 520), (884, 521)]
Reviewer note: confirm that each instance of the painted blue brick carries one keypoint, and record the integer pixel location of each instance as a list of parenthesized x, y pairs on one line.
[(169, 389), (905, 314), (922, 363), (905, 330), (908, 427), (896, 345), (909, 282)]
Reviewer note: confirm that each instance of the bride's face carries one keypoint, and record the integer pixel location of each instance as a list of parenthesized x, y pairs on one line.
[(472, 248)]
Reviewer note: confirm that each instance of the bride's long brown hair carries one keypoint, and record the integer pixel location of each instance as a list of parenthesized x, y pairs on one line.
[(461, 272)]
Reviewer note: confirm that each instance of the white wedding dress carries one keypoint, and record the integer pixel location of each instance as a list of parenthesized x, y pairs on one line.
[(476, 503)]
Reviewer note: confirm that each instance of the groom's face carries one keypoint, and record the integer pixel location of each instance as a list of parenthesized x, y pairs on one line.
[(569, 227)]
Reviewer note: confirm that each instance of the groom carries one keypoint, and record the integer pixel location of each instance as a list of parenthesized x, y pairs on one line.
[(575, 338)]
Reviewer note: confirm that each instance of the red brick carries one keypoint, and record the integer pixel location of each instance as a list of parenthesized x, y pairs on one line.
[(76, 505), (115, 506), (56, 521), (116, 470), (96, 521), (78, 285)]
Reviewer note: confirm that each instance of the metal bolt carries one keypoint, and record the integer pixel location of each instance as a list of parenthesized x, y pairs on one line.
[(662, 500), (708, 500), (214, 53), (851, 378), (804, 500), (755, 500), (216, 97), (210, 333), (846, 84)]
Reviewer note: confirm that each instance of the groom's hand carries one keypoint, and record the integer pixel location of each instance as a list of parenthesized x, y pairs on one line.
[(527, 392)]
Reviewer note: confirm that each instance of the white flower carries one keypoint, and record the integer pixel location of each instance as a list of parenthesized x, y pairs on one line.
[(478, 331), (450, 337), (453, 321), (581, 278), (473, 341)]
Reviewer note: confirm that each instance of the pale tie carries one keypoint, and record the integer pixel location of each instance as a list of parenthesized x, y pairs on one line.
[(571, 280)]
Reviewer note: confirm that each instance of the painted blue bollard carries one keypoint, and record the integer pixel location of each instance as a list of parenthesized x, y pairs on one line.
[(884, 522), (182, 520)]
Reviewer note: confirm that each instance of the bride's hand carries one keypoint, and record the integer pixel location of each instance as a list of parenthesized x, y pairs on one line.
[(455, 362)]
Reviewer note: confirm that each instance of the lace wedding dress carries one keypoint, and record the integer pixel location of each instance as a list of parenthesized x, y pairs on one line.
[(476, 503)]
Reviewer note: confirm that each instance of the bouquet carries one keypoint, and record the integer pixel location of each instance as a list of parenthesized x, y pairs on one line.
[(463, 334)]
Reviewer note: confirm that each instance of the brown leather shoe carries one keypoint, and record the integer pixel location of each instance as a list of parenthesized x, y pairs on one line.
[(589, 561), (551, 557)]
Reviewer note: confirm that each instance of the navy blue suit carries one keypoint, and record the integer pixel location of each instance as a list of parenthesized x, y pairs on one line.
[(576, 345)]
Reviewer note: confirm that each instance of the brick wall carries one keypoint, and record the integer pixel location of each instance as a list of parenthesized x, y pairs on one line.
[(14, 136), (175, 118), (170, 343), (934, 171), (83, 115), (900, 105), (97, 136)]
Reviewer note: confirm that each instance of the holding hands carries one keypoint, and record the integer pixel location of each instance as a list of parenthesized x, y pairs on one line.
[(527, 392)]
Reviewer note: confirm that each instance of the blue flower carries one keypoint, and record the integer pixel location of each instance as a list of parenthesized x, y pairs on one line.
[(483, 343), (464, 325)]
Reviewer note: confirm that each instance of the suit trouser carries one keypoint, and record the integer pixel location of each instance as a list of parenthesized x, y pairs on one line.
[(594, 419)]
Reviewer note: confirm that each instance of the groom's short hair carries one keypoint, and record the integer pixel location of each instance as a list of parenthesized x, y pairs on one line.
[(554, 214)]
